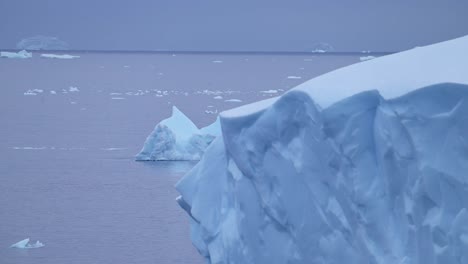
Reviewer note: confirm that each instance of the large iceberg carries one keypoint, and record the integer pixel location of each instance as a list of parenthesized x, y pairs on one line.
[(366, 164), (178, 138)]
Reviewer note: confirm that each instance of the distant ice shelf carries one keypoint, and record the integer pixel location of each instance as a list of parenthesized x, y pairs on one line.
[(59, 56), (178, 138), (23, 54)]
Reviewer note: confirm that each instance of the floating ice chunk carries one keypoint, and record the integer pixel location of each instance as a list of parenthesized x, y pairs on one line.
[(73, 89), (24, 244), (23, 54), (217, 61), (53, 92), (118, 98), (30, 92), (366, 58), (233, 100), (218, 97), (177, 138), (59, 56), (294, 77)]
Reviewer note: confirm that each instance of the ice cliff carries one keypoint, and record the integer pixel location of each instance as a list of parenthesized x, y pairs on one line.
[(178, 138), (366, 164)]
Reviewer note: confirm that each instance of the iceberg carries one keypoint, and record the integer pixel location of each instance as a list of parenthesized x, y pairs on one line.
[(366, 164), (23, 244), (23, 54), (59, 56), (178, 138), (42, 43)]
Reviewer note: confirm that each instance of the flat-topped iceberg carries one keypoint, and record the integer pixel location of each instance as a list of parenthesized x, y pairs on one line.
[(23, 244), (23, 54), (178, 138), (366, 164)]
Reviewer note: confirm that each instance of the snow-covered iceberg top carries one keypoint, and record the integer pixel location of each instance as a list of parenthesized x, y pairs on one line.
[(59, 56), (23, 54), (23, 244), (367, 164), (178, 138)]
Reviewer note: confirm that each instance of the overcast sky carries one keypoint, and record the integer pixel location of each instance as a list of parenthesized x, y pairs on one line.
[(281, 25)]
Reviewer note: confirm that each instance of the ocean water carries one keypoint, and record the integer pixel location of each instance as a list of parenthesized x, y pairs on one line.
[(69, 132)]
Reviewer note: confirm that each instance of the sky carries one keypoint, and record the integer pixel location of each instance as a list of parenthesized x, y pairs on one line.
[(240, 25)]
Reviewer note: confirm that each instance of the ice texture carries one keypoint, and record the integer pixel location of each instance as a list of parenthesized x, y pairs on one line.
[(23, 54), (178, 138), (367, 164), (23, 244), (42, 43)]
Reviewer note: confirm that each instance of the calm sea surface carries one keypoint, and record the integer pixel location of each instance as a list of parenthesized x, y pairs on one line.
[(69, 130)]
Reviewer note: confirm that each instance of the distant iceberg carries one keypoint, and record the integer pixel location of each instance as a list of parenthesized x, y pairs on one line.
[(23, 54), (178, 138), (365, 164), (366, 58), (42, 43), (322, 47), (23, 244), (59, 56)]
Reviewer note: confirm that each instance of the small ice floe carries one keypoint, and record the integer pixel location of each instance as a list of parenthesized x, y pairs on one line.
[(233, 100), (218, 97), (53, 92), (366, 51), (59, 56), (215, 111), (217, 61), (33, 92), (118, 98), (294, 77), (115, 93), (269, 92), (366, 58), (73, 103), (113, 149), (16, 55), (29, 92), (29, 148), (73, 89), (25, 244)]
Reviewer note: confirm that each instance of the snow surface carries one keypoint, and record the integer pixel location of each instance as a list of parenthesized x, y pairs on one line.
[(366, 164), (178, 138), (59, 56), (23, 244), (23, 54)]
